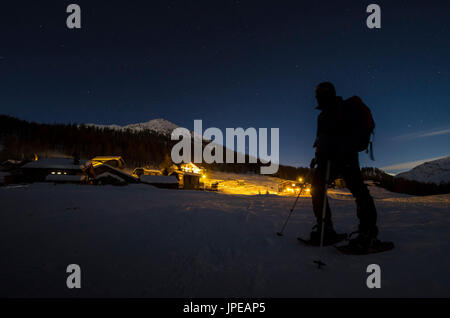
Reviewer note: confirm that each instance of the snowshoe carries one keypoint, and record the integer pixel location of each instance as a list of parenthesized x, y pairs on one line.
[(376, 247), (365, 243)]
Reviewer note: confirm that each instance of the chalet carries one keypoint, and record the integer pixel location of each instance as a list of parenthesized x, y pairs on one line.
[(190, 176), (291, 187), (113, 161), (54, 168), (108, 178), (189, 180), (11, 165), (338, 184), (106, 174), (10, 171), (192, 168), (146, 172)]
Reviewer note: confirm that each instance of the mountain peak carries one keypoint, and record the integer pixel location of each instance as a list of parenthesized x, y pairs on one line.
[(435, 171), (158, 125)]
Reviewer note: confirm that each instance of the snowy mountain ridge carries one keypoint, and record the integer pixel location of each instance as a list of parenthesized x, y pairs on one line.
[(159, 125), (435, 171)]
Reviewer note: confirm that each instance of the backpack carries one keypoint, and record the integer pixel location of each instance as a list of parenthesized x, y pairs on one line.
[(359, 120)]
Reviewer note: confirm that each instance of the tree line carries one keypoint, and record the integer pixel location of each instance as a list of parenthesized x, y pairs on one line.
[(401, 185), (22, 140)]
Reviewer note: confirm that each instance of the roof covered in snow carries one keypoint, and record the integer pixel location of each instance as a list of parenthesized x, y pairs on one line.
[(108, 174)]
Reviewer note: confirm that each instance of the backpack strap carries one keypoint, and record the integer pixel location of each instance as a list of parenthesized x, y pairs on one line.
[(369, 149)]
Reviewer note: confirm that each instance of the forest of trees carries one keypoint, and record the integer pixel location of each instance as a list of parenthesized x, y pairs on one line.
[(21, 140)]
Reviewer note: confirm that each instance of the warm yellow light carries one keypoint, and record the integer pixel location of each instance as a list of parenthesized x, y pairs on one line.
[(307, 190), (293, 184), (59, 172), (53, 172), (190, 167), (203, 176), (300, 179)]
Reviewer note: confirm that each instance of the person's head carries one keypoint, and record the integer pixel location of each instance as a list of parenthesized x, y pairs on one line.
[(325, 94)]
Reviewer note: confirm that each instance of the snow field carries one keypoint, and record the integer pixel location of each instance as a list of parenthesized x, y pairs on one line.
[(140, 241)]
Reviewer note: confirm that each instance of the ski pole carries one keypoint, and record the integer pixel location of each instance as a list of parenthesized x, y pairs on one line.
[(324, 207), (290, 212)]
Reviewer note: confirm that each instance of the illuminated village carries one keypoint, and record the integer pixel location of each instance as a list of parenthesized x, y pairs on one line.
[(102, 170)]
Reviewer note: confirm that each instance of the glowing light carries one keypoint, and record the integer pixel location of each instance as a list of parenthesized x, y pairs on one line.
[(190, 167), (290, 190), (99, 160), (300, 179)]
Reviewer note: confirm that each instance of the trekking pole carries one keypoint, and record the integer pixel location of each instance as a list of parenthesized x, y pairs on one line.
[(324, 207), (290, 212)]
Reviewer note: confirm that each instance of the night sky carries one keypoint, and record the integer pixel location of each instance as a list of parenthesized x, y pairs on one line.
[(233, 64)]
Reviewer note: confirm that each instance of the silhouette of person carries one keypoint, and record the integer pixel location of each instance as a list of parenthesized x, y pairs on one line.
[(334, 144)]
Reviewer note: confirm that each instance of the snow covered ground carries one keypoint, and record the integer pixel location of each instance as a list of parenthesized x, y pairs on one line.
[(140, 241), (249, 184)]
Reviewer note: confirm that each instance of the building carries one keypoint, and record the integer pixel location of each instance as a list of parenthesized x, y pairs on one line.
[(190, 176), (108, 178), (189, 180), (113, 161), (53, 169), (146, 172), (106, 174), (11, 165), (338, 183), (192, 168), (292, 187)]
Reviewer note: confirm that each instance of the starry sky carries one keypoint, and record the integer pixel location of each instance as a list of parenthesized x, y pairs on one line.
[(234, 64)]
